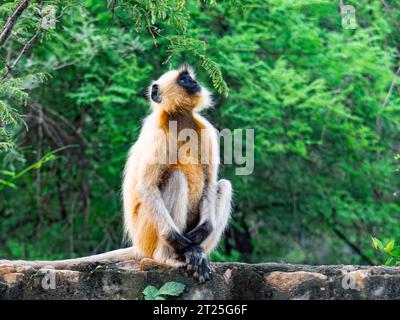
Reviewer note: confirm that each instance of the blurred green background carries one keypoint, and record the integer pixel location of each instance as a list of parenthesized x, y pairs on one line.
[(323, 100)]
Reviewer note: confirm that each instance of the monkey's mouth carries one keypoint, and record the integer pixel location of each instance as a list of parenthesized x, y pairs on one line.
[(193, 89)]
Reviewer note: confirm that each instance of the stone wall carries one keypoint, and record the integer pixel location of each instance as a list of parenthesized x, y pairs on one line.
[(114, 279)]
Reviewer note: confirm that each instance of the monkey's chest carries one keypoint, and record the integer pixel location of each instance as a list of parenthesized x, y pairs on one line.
[(189, 161), (189, 155), (195, 180)]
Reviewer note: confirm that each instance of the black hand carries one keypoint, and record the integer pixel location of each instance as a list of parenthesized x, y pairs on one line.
[(200, 233), (197, 263), (179, 242)]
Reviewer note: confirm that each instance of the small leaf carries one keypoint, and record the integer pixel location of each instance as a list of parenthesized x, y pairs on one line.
[(159, 298), (150, 293), (8, 184), (388, 262), (172, 289), (377, 244), (389, 247), (395, 253), (8, 173)]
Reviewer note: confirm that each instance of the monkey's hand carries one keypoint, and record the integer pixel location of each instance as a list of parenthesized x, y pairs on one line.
[(178, 242), (197, 263), (200, 233)]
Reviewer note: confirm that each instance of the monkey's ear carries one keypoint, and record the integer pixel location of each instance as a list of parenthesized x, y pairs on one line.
[(155, 93)]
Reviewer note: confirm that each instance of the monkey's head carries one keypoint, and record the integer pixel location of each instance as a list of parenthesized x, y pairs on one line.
[(177, 90)]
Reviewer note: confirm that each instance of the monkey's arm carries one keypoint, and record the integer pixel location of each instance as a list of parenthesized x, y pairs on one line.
[(151, 197), (207, 217)]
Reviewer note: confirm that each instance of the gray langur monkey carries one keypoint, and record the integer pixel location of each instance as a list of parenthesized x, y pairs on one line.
[(176, 212)]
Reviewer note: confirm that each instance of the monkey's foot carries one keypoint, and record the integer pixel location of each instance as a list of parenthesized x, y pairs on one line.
[(149, 264), (197, 263)]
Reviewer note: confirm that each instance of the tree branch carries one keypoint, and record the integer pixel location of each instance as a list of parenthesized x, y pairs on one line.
[(5, 33), (351, 245)]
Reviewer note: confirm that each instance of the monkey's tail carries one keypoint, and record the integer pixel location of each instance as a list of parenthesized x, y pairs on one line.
[(111, 256)]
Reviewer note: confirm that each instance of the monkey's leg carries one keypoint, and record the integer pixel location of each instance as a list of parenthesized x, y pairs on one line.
[(222, 215), (213, 222), (175, 193), (207, 236)]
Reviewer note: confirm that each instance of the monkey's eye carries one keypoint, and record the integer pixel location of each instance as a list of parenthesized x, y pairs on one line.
[(186, 79)]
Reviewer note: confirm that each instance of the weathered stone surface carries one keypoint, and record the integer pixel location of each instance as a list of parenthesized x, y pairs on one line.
[(124, 280)]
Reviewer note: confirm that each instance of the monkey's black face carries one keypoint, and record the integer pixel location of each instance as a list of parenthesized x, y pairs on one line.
[(188, 83), (155, 93)]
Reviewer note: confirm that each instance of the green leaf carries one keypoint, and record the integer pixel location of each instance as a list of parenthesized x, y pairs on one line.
[(8, 184), (388, 262), (395, 253), (172, 289), (8, 173), (389, 247), (150, 293), (376, 243)]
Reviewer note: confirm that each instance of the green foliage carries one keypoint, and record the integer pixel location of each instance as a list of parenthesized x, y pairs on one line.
[(12, 176), (13, 89), (9, 90), (146, 15), (220, 256), (152, 15), (169, 289), (390, 251), (197, 48)]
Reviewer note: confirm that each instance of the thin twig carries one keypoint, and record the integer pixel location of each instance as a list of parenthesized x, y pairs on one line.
[(24, 49), (386, 101), (387, 7), (112, 6), (39, 174), (36, 105), (153, 34), (66, 64), (356, 249), (396, 75), (5, 62)]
